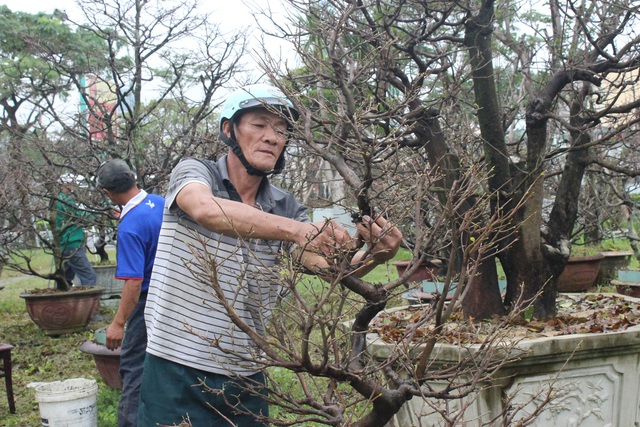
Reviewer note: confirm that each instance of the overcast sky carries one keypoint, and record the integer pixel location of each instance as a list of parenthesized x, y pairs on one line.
[(231, 15), (225, 8), (238, 7), (32, 6)]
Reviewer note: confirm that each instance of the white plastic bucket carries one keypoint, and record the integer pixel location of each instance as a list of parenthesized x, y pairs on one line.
[(68, 403)]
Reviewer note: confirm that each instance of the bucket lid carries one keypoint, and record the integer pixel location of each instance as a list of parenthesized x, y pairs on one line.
[(58, 391)]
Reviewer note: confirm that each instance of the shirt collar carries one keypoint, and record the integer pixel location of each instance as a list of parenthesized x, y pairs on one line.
[(264, 197), (135, 201)]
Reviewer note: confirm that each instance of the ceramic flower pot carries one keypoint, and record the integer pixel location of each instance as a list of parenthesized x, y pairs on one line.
[(628, 283), (107, 362), (428, 270), (580, 273), (59, 313)]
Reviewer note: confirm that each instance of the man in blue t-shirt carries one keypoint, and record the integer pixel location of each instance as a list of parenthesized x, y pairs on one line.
[(138, 230)]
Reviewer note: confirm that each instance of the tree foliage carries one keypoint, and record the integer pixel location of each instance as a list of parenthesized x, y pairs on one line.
[(529, 92), (72, 97)]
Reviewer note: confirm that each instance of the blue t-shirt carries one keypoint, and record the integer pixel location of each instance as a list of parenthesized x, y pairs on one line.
[(138, 233)]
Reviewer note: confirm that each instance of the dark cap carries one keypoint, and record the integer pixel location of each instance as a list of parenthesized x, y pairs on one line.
[(114, 174)]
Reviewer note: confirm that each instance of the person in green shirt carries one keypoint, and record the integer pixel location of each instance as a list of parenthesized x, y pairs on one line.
[(72, 239)]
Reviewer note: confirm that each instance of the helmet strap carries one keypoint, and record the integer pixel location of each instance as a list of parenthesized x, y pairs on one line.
[(235, 147)]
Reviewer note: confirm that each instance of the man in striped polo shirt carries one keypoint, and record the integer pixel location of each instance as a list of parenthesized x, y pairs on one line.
[(229, 211)]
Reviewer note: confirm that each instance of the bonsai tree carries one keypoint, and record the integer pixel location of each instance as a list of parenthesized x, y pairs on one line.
[(152, 104), (33, 157), (451, 87), (441, 117), (37, 214)]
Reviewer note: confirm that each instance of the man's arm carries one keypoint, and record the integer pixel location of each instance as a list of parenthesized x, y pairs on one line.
[(130, 297), (237, 219)]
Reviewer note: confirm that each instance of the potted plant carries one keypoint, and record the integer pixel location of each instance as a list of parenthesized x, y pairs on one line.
[(588, 376), (64, 308), (580, 273), (628, 282), (60, 308), (105, 268)]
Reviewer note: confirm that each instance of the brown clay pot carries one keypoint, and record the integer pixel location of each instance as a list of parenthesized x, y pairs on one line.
[(428, 270), (631, 289), (107, 362), (628, 283), (58, 312), (580, 273)]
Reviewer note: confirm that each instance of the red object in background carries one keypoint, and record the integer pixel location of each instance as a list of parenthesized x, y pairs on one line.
[(428, 270)]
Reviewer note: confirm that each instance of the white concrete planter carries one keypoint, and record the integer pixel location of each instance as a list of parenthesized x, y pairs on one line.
[(106, 277), (595, 375)]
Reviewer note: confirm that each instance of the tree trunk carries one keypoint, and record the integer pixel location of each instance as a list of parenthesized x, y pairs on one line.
[(483, 298)]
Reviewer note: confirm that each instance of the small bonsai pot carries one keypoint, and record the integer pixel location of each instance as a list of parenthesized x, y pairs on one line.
[(631, 289), (628, 283), (107, 361)]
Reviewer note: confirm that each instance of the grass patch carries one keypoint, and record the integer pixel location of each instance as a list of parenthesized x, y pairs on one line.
[(42, 261), (40, 358)]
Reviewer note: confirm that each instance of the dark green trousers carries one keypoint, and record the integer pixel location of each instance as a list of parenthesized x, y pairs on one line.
[(172, 393)]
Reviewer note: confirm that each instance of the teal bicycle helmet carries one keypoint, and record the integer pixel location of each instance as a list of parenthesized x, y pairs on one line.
[(248, 97)]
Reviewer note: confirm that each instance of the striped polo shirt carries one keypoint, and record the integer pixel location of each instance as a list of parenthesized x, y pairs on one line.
[(183, 314)]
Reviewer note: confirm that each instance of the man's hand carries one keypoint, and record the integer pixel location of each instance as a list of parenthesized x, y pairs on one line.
[(326, 238), (382, 237), (130, 296), (115, 333), (323, 243)]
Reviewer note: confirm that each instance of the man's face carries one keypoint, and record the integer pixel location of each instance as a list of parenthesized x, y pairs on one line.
[(261, 135)]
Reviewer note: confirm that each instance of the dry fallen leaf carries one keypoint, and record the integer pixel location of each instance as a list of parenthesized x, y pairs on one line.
[(577, 314)]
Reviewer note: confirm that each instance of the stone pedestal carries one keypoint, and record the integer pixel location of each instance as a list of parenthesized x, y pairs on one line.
[(594, 379), (106, 278), (612, 262)]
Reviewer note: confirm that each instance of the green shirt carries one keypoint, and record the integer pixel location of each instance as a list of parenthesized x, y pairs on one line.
[(68, 222)]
